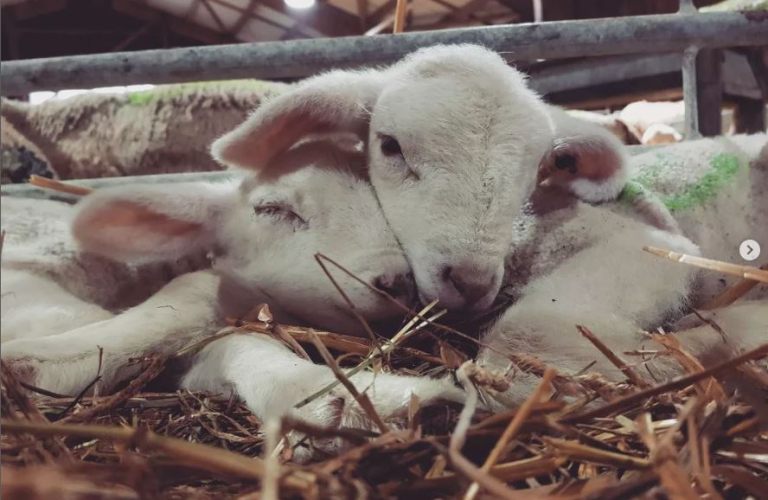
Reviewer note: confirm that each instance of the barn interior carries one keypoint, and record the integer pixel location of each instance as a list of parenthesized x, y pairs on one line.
[(579, 435)]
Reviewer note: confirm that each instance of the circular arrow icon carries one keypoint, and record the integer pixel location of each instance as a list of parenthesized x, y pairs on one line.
[(749, 250)]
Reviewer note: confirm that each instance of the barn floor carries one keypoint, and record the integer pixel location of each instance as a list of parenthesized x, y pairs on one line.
[(684, 440)]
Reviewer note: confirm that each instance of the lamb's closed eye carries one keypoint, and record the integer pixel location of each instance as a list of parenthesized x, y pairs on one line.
[(282, 212)]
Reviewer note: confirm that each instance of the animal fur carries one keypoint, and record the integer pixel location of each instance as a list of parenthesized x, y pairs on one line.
[(163, 130)]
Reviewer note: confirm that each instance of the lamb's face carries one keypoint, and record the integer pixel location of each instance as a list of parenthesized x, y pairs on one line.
[(455, 140), (317, 204), (454, 148)]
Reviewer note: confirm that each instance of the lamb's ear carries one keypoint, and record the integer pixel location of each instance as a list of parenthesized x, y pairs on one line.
[(336, 101), (585, 159), (150, 223)]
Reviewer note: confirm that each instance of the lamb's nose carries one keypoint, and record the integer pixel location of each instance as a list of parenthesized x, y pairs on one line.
[(400, 286), (471, 284)]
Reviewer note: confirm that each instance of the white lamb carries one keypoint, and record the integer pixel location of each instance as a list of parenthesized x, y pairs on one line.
[(454, 138), (584, 264), (467, 162), (60, 305)]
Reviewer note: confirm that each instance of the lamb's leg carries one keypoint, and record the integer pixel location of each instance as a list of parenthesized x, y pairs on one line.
[(35, 306), (613, 288), (272, 380), (182, 312)]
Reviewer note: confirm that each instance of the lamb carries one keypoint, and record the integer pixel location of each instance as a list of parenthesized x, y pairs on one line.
[(233, 246), (455, 136), (467, 161), (696, 197)]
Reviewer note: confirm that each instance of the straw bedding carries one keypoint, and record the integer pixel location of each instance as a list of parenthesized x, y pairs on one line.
[(685, 439)]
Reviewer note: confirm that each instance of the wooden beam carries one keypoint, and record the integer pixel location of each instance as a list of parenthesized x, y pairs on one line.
[(180, 26), (246, 14), (401, 9), (383, 25), (28, 10), (468, 10), (191, 11), (382, 13), (134, 36), (216, 19), (362, 13), (324, 18), (522, 7), (321, 18), (538, 11), (460, 14)]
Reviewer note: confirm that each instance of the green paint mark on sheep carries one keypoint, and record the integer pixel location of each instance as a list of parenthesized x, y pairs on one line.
[(724, 169), (725, 166), (632, 190), (166, 92)]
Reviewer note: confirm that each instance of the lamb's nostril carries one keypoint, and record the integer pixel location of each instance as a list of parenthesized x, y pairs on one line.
[(447, 270), (471, 285)]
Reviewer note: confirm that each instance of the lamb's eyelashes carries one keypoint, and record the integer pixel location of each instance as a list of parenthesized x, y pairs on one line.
[(281, 212)]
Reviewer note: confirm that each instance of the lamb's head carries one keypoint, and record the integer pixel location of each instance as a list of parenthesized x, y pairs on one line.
[(455, 140), (265, 233)]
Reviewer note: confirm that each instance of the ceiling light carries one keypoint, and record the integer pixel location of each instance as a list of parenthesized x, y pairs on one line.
[(299, 4)]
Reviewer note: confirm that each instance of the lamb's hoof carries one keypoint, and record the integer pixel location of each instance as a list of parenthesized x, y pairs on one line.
[(439, 417)]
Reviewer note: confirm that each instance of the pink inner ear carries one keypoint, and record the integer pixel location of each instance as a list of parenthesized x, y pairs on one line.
[(596, 165), (254, 145), (123, 227)]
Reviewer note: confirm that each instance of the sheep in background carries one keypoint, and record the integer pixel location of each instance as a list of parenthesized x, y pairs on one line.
[(163, 130), (19, 158), (610, 121), (642, 116), (62, 292)]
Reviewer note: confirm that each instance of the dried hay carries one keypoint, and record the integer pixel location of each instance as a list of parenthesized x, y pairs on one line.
[(684, 439)]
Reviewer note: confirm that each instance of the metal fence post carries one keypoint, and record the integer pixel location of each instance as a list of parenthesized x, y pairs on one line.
[(709, 91), (702, 86), (690, 93)]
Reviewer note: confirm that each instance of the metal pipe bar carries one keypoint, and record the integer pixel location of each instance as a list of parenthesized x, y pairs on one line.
[(30, 191), (300, 58), (687, 6), (709, 90), (599, 71)]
